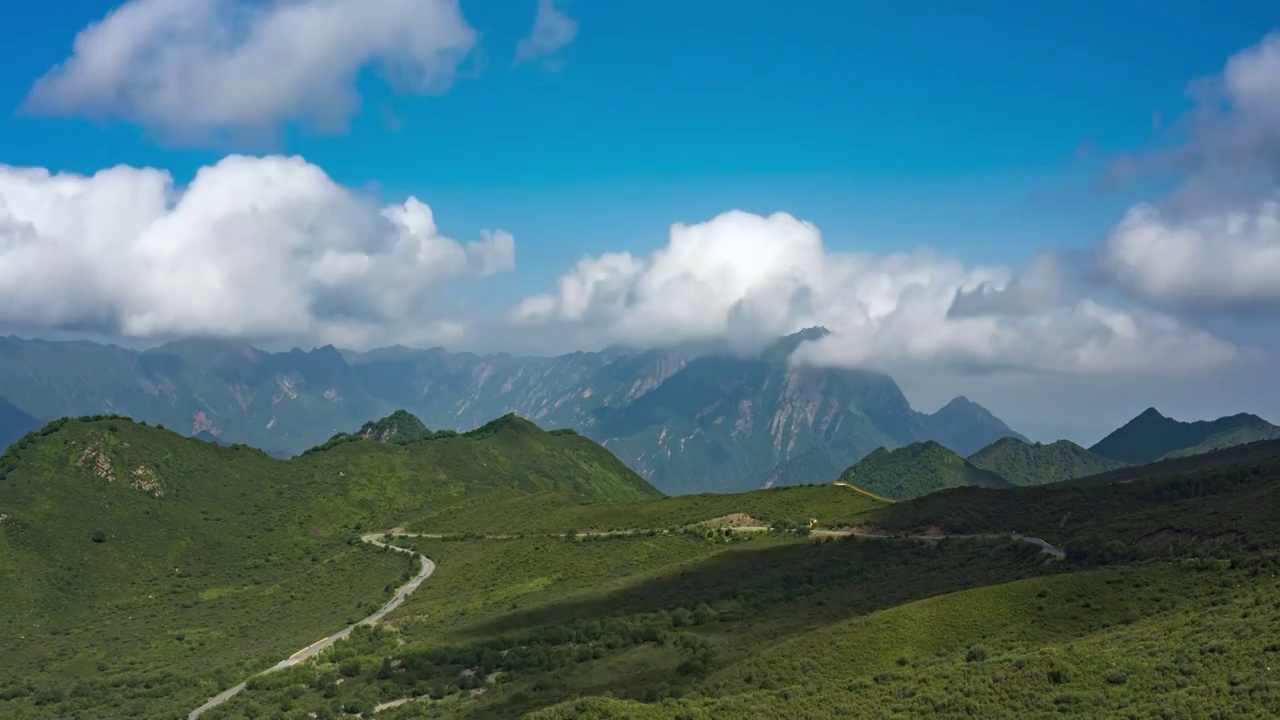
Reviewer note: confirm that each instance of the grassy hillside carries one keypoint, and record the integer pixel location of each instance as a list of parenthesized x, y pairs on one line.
[(156, 568), (1231, 505), (554, 512), (917, 469), (530, 623), (766, 626), (1231, 437), (159, 570), (1152, 436), (1248, 453), (1156, 641), (1023, 463)]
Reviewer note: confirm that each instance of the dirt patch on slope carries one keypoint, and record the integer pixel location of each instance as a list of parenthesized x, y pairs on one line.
[(731, 520)]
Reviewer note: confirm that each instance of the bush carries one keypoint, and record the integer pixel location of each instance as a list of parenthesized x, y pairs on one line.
[(99, 536), (976, 653)]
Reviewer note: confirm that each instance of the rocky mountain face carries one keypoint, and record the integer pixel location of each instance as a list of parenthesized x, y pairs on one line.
[(688, 422)]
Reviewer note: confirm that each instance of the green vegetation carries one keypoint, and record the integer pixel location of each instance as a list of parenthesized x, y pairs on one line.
[(1249, 453), (917, 469), (523, 624), (399, 427), (1024, 463), (1176, 513), (1152, 436), (158, 570), (551, 512), (1146, 641)]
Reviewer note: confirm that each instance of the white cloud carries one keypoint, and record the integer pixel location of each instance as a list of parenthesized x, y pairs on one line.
[(747, 279), (253, 247), (1215, 241), (552, 30), (1223, 259), (196, 66)]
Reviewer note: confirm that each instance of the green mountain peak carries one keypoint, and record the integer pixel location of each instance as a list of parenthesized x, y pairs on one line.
[(1023, 463), (917, 469)]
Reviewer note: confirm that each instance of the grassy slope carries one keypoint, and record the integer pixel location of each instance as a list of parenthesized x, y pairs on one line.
[(1248, 453), (917, 469), (170, 560), (1230, 437), (1023, 463), (861, 628), (1139, 641), (1233, 500), (715, 625), (643, 618), (557, 512)]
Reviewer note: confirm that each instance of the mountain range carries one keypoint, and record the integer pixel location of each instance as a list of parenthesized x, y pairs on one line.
[(1151, 436), (687, 420), (14, 423)]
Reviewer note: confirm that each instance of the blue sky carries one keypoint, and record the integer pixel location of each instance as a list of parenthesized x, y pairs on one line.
[(890, 125), (980, 131)]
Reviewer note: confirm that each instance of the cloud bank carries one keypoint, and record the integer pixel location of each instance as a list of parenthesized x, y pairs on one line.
[(253, 247), (192, 67), (748, 279), (1214, 243)]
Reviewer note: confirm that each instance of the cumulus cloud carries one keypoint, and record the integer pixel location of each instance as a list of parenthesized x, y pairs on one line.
[(552, 30), (252, 247), (197, 66), (1214, 242), (747, 279), (1212, 260)]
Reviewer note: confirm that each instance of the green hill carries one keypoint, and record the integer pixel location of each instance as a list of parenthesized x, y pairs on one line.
[(159, 570), (1154, 612), (1151, 436), (166, 564), (1023, 463), (1223, 497), (918, 469), (398, 427)]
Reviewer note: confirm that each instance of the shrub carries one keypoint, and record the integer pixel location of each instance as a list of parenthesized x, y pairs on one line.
[(976, 653)]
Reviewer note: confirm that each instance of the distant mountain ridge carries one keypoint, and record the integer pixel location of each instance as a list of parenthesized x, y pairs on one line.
[(1023, 463), (14, 423), (1151, 436), (688, 419)]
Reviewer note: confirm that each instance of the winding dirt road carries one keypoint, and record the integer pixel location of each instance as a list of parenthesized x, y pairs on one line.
[(428, 567), (318, 647)]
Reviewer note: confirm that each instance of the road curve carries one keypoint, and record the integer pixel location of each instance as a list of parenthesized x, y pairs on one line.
[(318, 647), (1044, 546)]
